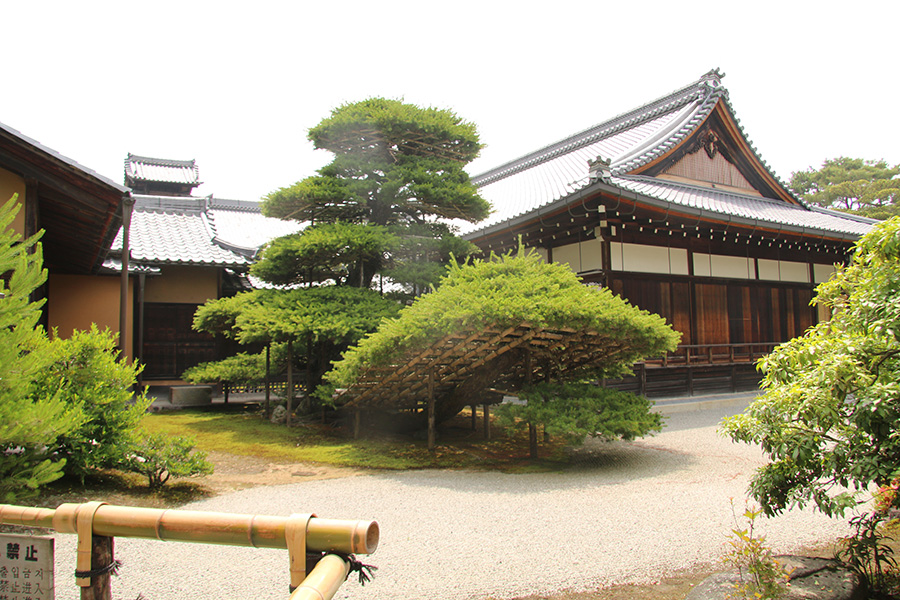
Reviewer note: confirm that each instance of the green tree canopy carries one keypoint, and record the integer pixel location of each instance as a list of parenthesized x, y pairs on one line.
[(397, 169), (867, 187), (830, 416), (505, 292)]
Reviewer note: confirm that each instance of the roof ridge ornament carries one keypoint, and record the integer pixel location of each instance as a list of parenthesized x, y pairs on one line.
[(599, 170)]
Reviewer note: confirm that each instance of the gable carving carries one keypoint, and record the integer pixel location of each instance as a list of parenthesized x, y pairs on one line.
[(709, 166)]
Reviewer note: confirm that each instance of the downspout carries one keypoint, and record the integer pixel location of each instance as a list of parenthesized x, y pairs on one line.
[(127, 206)]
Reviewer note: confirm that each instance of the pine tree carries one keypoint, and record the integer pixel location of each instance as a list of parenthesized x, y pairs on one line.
[(29, 426)]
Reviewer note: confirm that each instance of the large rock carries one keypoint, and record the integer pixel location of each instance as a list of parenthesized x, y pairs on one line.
[(190, 395), (810, 579)]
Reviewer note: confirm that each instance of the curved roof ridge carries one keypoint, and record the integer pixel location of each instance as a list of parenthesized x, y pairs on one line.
[(708, 84), (757, 155)]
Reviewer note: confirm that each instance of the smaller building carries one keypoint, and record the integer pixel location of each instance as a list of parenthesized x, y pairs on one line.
[(185, 250)]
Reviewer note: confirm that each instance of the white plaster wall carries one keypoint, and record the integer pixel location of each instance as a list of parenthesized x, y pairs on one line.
[(822, 273), (717, 265), (648, 259), (581, 256), (783, 270)]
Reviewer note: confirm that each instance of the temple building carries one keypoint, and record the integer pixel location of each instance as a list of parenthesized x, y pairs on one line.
[(671, 206)]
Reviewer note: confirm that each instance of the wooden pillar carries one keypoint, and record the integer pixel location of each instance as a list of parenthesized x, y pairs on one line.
[(486, 413), (357, 418), (431, 409), (127, 206), (474, 417), (102, 556)]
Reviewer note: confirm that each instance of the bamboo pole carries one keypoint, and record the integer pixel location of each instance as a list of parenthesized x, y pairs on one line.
[(261, 531), (324, 580)]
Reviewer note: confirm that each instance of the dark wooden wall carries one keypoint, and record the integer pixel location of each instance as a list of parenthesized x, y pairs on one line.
[(720, 311)]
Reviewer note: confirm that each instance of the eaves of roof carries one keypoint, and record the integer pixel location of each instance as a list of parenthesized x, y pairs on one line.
[(701, 203), (90, 173)]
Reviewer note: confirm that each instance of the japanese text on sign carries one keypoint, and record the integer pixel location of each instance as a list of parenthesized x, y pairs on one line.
[(26, 567)]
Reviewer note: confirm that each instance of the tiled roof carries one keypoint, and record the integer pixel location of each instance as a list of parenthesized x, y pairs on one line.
[(145, 168), (745, 208), (199, 231), (548, 176)]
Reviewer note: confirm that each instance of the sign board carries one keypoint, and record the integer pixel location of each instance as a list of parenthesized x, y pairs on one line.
[(26, 567)]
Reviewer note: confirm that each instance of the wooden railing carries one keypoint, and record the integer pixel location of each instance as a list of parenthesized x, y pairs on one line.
[(97, 523), (713, 354)]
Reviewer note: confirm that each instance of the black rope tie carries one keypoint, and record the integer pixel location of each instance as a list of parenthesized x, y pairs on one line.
[(366, 572), (112, 567)]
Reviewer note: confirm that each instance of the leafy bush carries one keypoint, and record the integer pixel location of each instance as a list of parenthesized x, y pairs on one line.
[(830, 416), (576, 411), (866, 551), (159, 456), (86, 372)]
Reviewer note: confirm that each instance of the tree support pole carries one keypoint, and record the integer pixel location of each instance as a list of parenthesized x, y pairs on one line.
[(268, 383), (486, 413), (431, 409), (474, 417), (532, 429), (290, 383)]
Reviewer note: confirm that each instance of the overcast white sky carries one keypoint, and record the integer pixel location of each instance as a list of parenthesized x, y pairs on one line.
[(236, 85)]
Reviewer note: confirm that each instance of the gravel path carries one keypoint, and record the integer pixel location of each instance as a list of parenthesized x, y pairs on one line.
[(627, 512)]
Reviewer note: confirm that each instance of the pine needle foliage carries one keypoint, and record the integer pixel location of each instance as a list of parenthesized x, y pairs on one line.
[(506, 291), (29, 424)]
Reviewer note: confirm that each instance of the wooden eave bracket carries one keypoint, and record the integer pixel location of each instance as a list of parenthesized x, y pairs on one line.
[(295, 531), (84, 527)]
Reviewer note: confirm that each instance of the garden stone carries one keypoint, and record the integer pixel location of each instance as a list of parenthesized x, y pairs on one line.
[(810, 579), (279, 415)]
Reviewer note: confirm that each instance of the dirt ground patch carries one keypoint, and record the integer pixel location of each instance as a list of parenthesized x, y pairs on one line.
[(240, 472)]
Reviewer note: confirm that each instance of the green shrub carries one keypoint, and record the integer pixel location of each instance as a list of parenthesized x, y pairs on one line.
[(761, 576), (86, 372), (159, 456)]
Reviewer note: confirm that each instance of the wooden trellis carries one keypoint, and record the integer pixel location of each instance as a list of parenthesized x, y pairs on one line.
[(418, 379)]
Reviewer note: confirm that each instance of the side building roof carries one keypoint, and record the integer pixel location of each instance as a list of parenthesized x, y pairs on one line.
[(198, 231)]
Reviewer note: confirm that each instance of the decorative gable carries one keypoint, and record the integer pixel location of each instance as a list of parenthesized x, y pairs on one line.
[(708, 167)]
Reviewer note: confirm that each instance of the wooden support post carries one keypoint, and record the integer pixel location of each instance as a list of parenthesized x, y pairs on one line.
[(225, 391), (357, 416), (532, 440), (290, 383), (268, 383), (431, 409), (642, 374), (486, 413), (102, 555), (474, 417)]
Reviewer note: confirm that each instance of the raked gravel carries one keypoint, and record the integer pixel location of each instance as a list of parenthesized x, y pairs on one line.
[(627, 512)]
